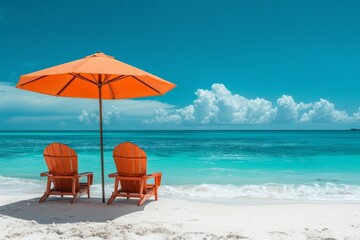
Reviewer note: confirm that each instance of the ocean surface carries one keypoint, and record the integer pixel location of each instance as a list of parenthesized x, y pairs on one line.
[(290, 165)]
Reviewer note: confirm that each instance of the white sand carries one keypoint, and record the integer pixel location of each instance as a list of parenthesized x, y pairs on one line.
[(21, 217)]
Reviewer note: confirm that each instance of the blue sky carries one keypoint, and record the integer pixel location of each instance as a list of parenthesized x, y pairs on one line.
[(237, 64)]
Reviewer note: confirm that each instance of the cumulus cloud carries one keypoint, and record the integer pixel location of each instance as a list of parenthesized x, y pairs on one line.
[(288, 110), (110, 116), (119, 110), (356, 116), (219, 106), (87, 118), (162, 116), (324, 111)]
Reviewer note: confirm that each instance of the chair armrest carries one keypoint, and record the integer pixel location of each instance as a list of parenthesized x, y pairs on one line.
[(62, 177), (126, 177), (89, 176), (157, 176), (112, 175), (85, 174), (141, 178), (45, 174)]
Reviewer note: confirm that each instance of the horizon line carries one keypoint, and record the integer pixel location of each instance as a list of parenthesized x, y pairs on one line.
[(149, 130)]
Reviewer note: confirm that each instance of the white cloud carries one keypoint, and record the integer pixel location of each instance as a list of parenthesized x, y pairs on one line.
[(219, 106), (356, 116), (109, 117), (88, 118), (162, 116), (119, 110), (287, 109), (187, 113), (253, 111), (15, 101), (324, 111)]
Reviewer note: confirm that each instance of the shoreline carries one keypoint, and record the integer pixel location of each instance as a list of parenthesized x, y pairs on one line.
[(250, 194), (21, 217)]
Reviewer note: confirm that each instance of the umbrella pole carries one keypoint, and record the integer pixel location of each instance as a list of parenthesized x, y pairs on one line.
[(101, 146)]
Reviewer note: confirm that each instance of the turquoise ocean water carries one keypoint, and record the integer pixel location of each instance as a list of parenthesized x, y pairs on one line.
[(299, 165)]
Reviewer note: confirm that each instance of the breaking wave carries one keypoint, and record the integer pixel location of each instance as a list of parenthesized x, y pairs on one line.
[(316, 192), (328, 192)]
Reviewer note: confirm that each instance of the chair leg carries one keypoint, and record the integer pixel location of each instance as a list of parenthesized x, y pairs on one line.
[(111, 199), (47, 192), (116, 190), (143, 200), (43, 198), (156, 193), (76, 197)]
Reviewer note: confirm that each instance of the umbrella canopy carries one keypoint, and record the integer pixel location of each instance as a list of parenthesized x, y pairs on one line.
[(96, 76), (83, 78)]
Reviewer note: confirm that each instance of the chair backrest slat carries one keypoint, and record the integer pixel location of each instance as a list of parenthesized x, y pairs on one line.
[(130, 159), (61, 159)]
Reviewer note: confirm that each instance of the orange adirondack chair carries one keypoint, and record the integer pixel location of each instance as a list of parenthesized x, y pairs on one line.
[(63, 177), (131, 178)]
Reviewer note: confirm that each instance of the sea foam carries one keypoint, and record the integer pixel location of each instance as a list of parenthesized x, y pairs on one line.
[(328, 192)]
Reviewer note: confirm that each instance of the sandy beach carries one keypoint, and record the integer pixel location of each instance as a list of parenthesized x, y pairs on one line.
[(21, 217), (242, 118)]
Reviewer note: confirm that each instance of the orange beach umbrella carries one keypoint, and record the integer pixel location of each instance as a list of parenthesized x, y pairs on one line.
[(96, 76)]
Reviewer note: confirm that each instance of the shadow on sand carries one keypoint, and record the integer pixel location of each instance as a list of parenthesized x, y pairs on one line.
[(60, 210)]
